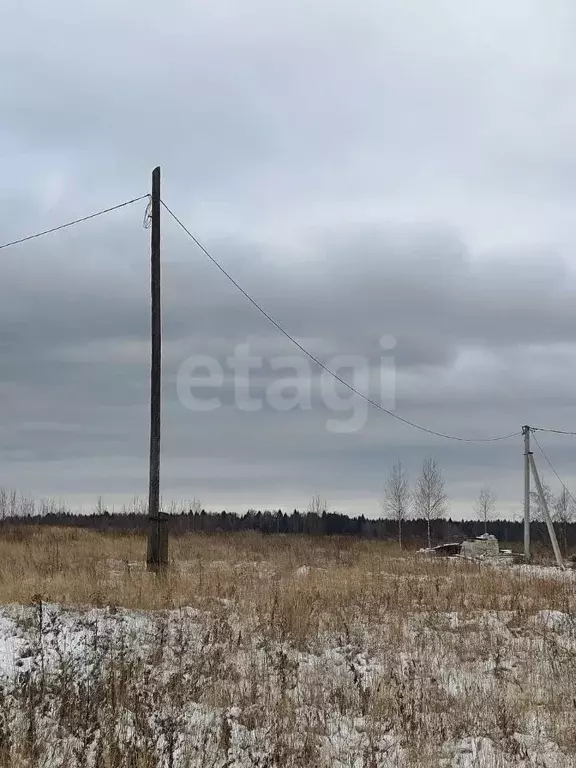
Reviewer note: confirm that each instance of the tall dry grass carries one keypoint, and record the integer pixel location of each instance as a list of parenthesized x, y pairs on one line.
[(323, 576), (281, 651)]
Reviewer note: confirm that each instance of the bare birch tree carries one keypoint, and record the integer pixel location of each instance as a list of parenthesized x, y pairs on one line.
[(538, 509), (485, 505), (317, 505), (429, 495), (564, 514), (397, 497)]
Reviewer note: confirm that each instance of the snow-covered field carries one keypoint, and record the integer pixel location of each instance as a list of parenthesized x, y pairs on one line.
[(360, 662)]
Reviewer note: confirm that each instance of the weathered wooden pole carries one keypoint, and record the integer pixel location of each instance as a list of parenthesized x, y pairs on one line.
[(157, 555)]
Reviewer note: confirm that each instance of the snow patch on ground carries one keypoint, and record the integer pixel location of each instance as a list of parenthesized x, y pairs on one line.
[(222, 689)]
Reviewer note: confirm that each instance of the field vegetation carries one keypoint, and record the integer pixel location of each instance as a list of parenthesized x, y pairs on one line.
[(278, 651)]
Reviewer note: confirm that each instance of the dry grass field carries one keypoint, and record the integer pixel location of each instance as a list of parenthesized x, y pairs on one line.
[(278, 652)]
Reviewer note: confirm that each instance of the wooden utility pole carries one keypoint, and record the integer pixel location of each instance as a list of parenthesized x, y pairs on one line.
[(527, 454), (157, 556)]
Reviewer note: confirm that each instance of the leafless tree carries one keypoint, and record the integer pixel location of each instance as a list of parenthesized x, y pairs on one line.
[(99, 508), (397, 497), (564, 514), (429, 496), (485, 505), (8, 503), (537, 510), (317, 505), (195, 506)]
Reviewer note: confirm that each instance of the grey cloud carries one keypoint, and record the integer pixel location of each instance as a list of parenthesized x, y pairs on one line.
[(94, 376)]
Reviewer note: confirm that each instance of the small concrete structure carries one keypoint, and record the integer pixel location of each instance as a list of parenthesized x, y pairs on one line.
[(442, 550), (483, 546)]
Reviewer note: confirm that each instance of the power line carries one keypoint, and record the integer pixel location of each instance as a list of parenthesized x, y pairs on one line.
[(551, 466), (317, 361), (72, 223), (556, 431)]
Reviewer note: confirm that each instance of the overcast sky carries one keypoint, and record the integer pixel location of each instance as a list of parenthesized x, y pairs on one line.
[(365, 170)]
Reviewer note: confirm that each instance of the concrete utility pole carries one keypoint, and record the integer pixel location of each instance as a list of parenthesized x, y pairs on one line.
[(157, 555), (527, 454), (549, 522)]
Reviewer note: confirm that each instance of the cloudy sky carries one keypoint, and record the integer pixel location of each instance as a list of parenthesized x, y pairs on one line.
[(364, 170)]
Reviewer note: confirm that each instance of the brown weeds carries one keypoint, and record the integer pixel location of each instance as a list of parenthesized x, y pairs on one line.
[(281, 651)]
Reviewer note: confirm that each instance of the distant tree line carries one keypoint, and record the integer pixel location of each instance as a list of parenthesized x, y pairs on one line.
[(416, 515), (269, 522)]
